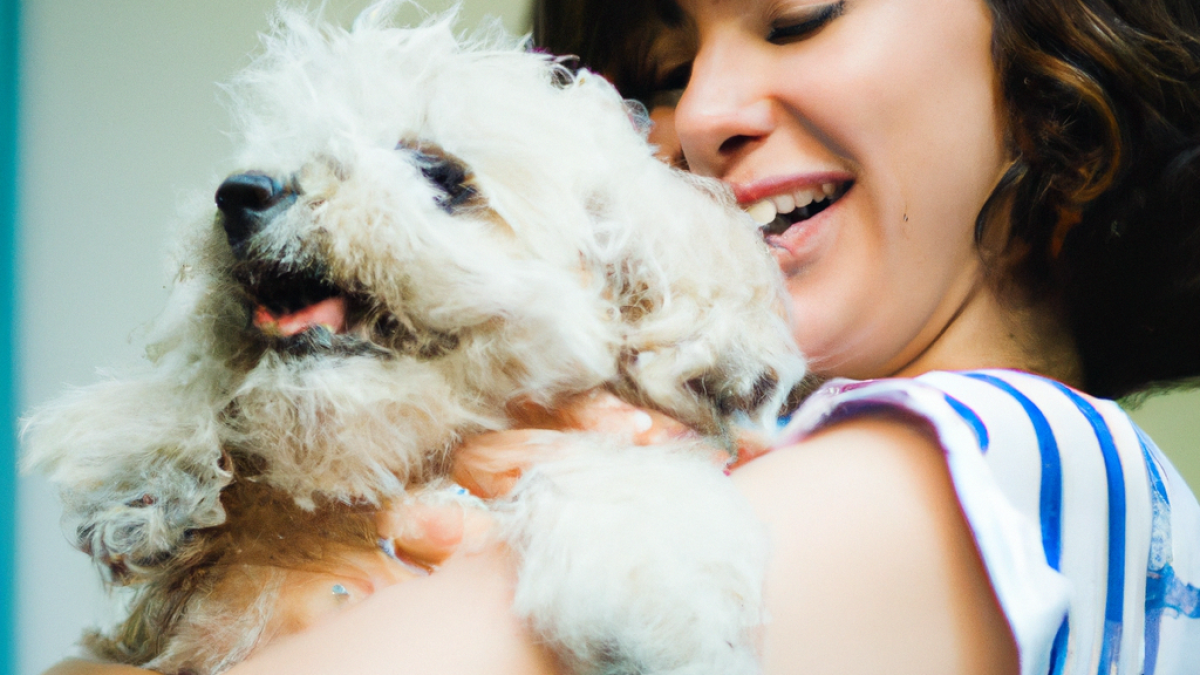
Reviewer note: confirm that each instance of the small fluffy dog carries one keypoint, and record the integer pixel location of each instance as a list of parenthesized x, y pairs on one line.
[(425, 235)]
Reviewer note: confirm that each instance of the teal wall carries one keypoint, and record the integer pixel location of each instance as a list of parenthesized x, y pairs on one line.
[(9, 32)]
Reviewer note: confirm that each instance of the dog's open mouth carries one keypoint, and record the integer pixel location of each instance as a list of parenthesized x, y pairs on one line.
[(287, 320), (300, 312), (287, 304)]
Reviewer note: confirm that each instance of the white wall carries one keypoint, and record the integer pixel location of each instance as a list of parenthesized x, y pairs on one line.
[(121, 121)]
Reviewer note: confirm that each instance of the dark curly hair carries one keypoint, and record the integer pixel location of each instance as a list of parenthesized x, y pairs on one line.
[(613, 37), (1099, 212), (1103, 197)]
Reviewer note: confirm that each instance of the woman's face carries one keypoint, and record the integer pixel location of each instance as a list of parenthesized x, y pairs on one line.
[(887, 110)]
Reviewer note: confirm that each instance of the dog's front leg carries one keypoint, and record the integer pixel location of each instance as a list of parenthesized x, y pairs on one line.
[(638, 560)]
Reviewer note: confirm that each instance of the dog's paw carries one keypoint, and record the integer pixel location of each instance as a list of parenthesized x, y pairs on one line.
[(639, 560), (138, 463), (133, 529), (707, 384)]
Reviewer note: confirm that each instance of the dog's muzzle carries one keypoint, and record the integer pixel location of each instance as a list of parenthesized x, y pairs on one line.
[(247, 201)]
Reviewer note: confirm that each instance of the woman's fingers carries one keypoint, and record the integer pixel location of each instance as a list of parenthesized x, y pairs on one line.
[(602, 412), (489, 465), (427, 529), (750, 445)]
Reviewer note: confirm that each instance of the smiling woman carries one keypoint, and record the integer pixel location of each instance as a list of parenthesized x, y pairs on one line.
[(1001, 174), (1020, 184)]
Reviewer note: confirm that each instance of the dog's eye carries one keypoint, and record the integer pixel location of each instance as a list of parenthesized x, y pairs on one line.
[(448, 175)]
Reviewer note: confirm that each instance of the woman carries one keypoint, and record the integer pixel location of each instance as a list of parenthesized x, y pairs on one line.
[(1012, 185)]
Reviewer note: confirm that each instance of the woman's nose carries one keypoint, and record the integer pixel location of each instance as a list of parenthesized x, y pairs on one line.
[(725, 110)]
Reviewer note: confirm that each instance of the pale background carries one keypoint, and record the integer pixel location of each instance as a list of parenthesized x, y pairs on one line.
[(121, 122)]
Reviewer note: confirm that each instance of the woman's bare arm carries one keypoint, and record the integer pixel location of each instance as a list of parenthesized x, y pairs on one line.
[(872, 568), (454, 621)]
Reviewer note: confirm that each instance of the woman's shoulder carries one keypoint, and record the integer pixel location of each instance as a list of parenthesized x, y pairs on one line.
[(869, 546), (982, 400), (1058, 485), (1020, 422)]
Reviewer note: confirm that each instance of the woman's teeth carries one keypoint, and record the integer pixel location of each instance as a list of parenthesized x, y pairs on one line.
[(766, 210)]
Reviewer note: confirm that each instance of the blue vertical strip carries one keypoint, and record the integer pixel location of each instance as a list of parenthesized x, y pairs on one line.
[(972, 419), (1110, 649), (1158, 567), (9, 88), (1050, 492)]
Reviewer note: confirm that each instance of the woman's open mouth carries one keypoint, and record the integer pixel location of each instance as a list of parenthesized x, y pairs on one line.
[(777, 213)]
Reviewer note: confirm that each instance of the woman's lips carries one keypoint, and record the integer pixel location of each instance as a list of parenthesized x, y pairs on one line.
[(801, 242), (795, 213), (748, 193)]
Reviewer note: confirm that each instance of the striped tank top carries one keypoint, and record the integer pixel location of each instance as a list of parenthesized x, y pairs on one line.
[(1089, 535)]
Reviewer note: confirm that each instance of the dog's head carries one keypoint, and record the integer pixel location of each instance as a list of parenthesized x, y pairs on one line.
[(421, 232), (405, 196)]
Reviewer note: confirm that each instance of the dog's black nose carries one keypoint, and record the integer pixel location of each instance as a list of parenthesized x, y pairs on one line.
[(246, 200)]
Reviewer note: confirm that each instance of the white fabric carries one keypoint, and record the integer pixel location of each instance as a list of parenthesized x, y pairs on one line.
[(1036, 467)]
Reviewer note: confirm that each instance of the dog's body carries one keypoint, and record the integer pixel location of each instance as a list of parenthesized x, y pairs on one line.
[(425, 236)]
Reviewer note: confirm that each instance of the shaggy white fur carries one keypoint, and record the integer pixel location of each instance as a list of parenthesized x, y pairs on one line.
[(425, 233)]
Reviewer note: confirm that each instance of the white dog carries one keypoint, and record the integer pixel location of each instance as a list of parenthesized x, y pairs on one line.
[(425, 234)]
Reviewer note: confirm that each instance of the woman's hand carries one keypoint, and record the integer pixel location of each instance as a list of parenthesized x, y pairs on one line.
[(429, 526), (489, 465), (427, 531)]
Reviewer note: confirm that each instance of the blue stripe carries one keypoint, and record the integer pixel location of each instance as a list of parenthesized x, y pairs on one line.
[(1114, 603), (1164, 591), (1058, 653), (1160, 549), (972, 419), (1153, 630), (1160, 507), (1050, 495)]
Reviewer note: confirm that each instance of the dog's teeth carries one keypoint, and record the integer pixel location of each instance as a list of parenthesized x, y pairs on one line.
[(762, 211)]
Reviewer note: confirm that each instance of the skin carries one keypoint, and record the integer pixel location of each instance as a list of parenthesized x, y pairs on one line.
[(873, 568), (892, 268)]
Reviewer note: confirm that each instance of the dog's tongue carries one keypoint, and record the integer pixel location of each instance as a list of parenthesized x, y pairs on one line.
[(330, 313)]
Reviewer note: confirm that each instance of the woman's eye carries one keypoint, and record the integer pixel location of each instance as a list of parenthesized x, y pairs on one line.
[(796, 27), (675, 78)]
